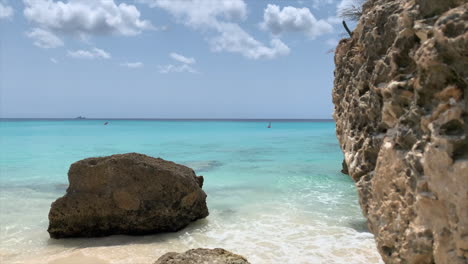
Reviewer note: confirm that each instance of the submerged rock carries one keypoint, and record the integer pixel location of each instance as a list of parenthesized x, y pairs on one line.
[(130, 194), (401, 112), (202, 256)]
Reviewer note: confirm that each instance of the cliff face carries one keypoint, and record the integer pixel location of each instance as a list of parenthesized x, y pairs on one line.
[(401, 116)]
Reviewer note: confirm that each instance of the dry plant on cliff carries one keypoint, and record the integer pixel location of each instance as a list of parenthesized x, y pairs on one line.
[(352, 11)]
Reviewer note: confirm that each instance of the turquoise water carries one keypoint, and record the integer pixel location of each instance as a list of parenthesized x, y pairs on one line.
[(275, 195)]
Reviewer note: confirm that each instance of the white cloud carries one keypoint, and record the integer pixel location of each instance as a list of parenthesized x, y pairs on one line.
[(182, 59), (184, 66), (234, 39), (44, 39), (218, 16), (95, 53), (164, 69), (84, 18), (6, 11), (53, 60), (292, 19), (132, 65)]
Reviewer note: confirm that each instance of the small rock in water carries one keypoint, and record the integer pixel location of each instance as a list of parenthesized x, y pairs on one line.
[(202, 256), (130, 194)]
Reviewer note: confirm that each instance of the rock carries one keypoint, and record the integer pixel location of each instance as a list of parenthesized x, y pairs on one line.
[(130, 194), (344, 168), (202, 256), (401, 112)]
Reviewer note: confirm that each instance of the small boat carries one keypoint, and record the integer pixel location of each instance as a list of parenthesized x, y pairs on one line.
[(80, 117), (269, 125)]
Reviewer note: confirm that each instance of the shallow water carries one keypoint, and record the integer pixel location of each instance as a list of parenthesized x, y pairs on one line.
[(275, 195)]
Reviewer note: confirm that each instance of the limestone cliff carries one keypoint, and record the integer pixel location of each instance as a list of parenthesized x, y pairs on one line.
[(401, 114)]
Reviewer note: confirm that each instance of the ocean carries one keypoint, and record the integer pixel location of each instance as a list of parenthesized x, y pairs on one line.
[(275, 195)]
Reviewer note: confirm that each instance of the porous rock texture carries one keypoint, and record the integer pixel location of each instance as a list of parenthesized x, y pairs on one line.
[(401, 113), (130, 194), (202, 256)]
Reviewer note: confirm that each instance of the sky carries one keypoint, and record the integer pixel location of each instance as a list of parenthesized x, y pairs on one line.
[(168, 58)]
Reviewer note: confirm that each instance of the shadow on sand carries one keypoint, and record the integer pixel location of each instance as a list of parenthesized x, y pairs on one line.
[(120, 240)]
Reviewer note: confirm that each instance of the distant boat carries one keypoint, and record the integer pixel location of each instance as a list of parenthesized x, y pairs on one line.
[(106, 123), (269, 125), (80, 117)]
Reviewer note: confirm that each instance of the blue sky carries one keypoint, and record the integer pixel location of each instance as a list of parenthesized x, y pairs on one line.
[(167, 59)]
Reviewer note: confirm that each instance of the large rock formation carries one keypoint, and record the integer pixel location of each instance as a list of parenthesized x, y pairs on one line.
[(127, 194), (401, 116), (202, 256)]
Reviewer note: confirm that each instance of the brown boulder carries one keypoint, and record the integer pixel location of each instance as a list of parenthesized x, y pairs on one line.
[(130, 194), (202, 256)]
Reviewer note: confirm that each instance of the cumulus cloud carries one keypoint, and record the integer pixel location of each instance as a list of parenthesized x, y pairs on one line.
[(182, 59), (93, 17), (292, 19), (6, 11), (183, 66), (85, 18), (234, 39), (44, 38), (219, 17), (95, 53), (132, 65)]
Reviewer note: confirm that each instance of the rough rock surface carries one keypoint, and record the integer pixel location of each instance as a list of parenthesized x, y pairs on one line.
[(127, 194), (401, 115), (202, 256)]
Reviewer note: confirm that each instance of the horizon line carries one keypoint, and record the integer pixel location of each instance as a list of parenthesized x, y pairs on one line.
[(168, 119)]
